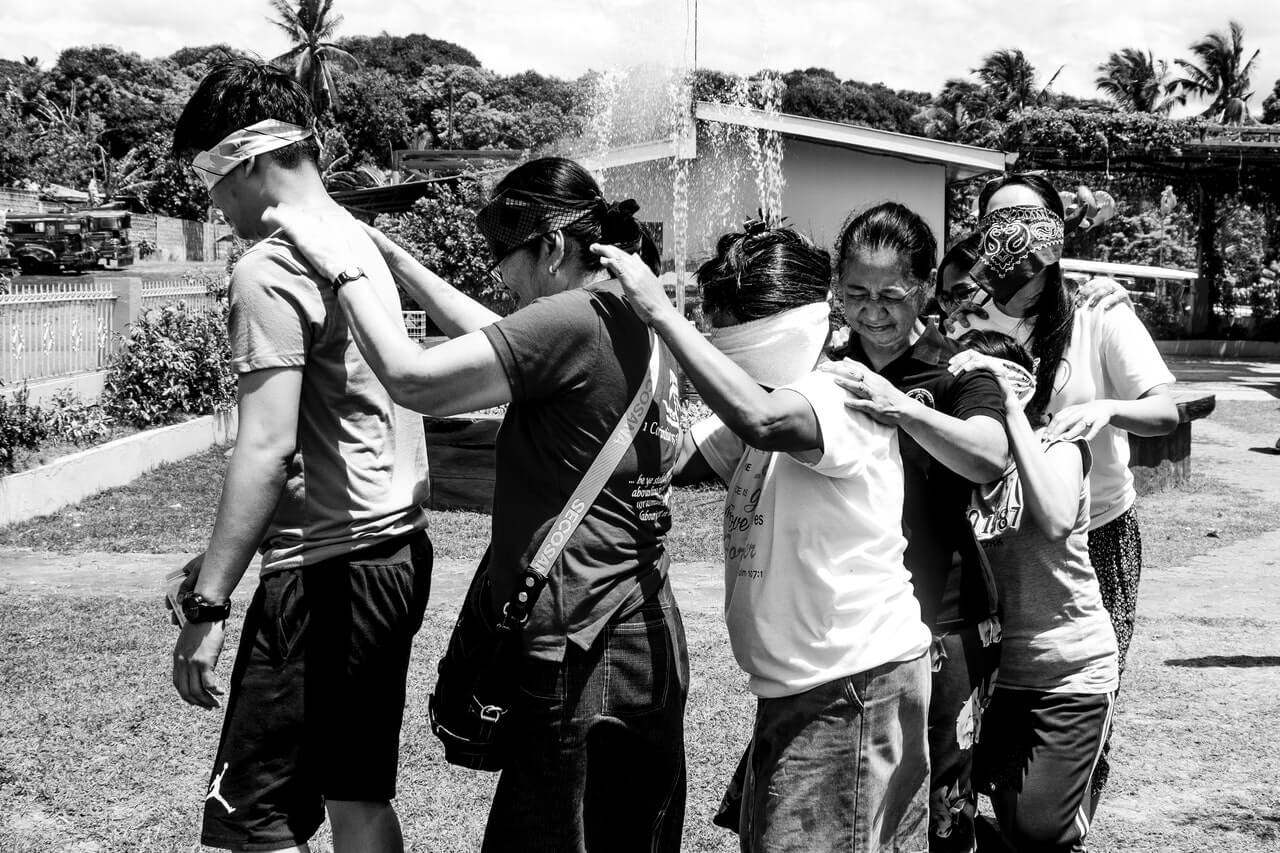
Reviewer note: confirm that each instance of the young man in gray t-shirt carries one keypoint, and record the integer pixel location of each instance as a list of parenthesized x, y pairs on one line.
[(327, 481)]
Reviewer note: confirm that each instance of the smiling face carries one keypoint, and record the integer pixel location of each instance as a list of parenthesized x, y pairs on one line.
[(881, 299)]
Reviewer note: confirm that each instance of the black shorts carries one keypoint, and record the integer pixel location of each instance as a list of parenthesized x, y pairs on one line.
[(317, 694)]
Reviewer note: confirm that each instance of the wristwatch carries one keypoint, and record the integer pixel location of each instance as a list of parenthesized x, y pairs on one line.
[(197, 608), (347, 276)]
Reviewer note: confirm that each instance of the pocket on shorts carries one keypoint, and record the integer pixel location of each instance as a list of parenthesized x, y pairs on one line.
[(288, 615), (638, 661)]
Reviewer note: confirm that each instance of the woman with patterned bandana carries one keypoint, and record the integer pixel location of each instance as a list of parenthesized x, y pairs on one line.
[(1099, 375)]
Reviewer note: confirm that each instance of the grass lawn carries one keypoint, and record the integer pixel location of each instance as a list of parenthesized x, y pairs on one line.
[(98, 754), (170, 511)]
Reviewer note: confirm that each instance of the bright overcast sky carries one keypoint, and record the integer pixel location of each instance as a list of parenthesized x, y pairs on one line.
[(910, 44)]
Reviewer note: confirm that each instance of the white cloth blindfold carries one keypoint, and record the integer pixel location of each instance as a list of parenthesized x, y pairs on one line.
[(777, 350), (267, 135)]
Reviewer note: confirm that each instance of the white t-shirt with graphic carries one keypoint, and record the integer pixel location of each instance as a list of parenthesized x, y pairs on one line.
[(1111, 357), (815, 586)]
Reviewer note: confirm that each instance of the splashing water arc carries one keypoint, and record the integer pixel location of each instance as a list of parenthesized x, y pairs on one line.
[(694, 179)]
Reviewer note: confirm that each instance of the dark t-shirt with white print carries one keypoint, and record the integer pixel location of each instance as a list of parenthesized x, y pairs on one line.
[(575, 361)]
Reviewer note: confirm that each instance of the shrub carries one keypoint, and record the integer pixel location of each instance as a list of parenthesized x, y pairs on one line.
[(174, 364), (22, 427), (440, 231), (73, 420)]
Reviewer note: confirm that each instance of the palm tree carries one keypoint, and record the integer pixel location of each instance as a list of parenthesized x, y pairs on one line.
[(309, 26), (1220, 74), (1011, 79), (1136, 81)]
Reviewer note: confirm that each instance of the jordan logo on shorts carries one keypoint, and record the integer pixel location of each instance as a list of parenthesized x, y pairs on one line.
[(215, 790)]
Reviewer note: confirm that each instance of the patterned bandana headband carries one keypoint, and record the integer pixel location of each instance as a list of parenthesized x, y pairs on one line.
[(267, 135), (1017, 243), (509, 221)]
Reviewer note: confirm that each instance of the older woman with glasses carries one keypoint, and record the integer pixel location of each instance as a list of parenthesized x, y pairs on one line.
[(598, 756), (952, 430)]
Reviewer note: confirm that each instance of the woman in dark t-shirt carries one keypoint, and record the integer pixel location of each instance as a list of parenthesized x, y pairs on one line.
[(952, 436), (598, 756)]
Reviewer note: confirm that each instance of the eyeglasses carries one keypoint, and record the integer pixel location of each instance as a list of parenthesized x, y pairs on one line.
[(495, 268), (885, 297), (962, 294)]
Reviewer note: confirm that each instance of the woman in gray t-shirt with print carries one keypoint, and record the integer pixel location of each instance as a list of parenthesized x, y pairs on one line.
[(1043, 732)]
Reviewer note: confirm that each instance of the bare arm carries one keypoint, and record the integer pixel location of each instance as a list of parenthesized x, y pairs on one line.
[(1154, 413), (266, 441), (691, 466), (975, 448), (449, 308), (461, 375), (781, 420), (1052, 476)]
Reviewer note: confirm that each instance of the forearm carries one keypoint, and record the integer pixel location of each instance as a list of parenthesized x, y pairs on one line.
[(1050, 501), (1153, 414), (460, 375), (380, 339), (250, 493), (449, 308), (761, 419), (976, 449)]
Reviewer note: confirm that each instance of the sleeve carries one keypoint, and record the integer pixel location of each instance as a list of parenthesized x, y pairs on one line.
[(548, 345), (718, 445), (1086, 454), (1130, 360), (849, 438), (275, 312), (977, 392)]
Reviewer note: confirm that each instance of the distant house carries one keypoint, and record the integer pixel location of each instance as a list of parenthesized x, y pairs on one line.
[(828, 169)]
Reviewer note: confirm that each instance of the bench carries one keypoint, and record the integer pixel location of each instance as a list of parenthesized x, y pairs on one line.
[(1161, 462)]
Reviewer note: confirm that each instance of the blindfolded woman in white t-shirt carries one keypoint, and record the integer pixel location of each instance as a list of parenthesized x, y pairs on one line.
[(1099, 375), (818, 603)]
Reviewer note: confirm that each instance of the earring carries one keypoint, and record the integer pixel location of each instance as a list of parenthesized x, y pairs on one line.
[(552, 269)]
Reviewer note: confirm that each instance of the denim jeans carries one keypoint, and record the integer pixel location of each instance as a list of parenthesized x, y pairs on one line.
[(599, 759), (842, 767)]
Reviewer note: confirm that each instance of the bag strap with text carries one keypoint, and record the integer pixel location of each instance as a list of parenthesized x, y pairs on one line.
[(516, 611)]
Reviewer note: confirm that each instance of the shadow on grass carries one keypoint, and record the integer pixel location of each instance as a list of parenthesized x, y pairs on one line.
[(1260, 820), (1239, 661)]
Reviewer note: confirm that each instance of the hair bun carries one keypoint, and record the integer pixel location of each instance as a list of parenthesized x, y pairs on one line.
[(619, 226)]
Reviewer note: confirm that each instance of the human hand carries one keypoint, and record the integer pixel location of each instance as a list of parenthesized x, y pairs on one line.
[(958, 317), (645, 293), (195, 657), (869, 392), (1084, 420), (1014, 380), (1103, 294), (319, 237)]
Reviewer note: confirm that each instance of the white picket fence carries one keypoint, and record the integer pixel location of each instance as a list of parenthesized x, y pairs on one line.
[(50, 329)]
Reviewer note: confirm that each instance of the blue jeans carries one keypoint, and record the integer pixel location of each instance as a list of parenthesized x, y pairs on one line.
[(598, 762), (842, 767)]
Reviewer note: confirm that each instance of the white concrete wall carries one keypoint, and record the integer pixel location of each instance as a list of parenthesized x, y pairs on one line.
[(823, 184), (68, 480)]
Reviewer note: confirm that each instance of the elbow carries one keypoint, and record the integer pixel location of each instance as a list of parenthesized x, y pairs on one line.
[(1056, 529), (988, 470), (765, 432)]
